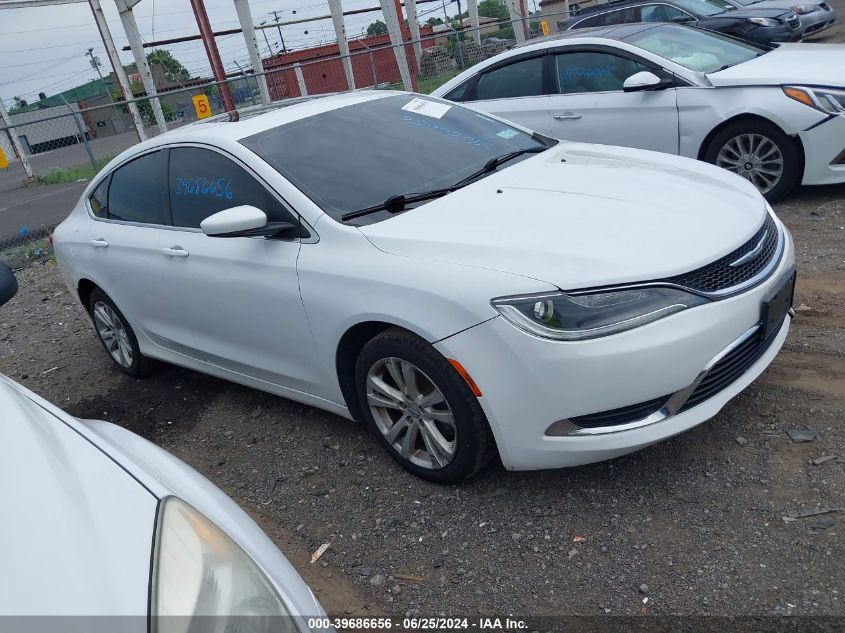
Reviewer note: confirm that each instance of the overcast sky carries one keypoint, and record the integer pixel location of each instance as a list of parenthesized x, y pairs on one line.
[(43, 49)]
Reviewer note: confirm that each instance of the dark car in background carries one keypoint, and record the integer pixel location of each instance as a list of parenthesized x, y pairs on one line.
[(761, 25)]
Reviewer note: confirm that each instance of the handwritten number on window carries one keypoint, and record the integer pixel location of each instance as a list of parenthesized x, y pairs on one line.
[(219, 188)]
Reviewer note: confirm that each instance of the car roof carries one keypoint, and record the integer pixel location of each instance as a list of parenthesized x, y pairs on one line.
[(254, 119)]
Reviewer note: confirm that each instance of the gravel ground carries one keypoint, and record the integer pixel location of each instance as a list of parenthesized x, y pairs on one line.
[(698, 519)]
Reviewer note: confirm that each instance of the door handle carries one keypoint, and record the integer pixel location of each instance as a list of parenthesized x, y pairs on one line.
[(566, 116), (175, 251), (99, 243)]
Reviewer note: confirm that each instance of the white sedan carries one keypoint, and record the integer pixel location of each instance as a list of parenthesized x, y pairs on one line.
[(99, 522), (463, 285), (774, 116)]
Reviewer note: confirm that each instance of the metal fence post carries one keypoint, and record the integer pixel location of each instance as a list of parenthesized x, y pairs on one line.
[(15, 140), (82, 133), (300, 79)]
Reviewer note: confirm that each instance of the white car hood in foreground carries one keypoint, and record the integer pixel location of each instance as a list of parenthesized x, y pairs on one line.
[(76, 530), (807, 64), (606, 215)]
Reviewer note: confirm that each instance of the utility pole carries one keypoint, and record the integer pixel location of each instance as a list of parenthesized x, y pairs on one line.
[(266, 41), (95, 64), (281, 37), (213, 53)]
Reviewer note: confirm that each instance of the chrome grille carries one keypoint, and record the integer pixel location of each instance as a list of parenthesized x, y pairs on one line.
[(721, 275)]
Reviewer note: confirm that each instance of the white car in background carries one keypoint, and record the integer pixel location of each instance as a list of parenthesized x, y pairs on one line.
[(100, 522), (774, 116), (461, 284)]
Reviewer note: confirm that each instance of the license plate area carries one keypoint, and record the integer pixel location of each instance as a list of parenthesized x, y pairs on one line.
[(777, 303)]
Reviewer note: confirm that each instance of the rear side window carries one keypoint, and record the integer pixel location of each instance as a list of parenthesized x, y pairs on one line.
[(660, 13), (596, 20), (202, 182), (99, 199), (622, 16), (135, 192), (520, 79)]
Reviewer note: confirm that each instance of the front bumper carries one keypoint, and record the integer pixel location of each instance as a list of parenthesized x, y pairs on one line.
[(824, 152), (769, 34), (538, 382), (816, 22)]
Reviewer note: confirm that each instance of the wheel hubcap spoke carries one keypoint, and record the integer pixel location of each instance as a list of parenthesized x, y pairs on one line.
[(113, 334), (756, 158), (402, 400)]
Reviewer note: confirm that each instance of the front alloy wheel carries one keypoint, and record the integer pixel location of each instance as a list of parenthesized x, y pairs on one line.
[(421, 409), (411, 413), (754, 157)]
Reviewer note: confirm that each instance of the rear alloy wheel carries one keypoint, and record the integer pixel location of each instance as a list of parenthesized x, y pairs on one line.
[(117, 336), (759, 152), (422, 410)]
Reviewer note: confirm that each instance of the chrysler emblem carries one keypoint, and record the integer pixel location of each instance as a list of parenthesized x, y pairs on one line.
[(752, 253)]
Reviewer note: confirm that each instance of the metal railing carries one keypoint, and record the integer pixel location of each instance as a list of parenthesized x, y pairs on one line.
[(73, 141)]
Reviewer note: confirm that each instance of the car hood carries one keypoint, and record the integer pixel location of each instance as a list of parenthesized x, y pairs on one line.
[(581, 215), (76, 534), (753, 12), (810, 64)]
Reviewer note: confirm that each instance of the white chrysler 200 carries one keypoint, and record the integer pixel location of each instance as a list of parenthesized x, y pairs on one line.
[(463, 285)]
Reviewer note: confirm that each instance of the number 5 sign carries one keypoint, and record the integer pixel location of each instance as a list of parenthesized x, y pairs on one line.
[(202, 106)]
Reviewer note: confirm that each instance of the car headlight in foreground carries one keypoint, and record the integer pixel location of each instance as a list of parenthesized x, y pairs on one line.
[(569, 317), (199, 571), (828, 100)]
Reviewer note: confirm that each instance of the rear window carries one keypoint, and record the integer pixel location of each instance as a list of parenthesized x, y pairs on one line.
[(362, 154), (135, 193)]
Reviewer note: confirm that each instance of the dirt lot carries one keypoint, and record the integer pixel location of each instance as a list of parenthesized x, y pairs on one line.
[(698, 518)]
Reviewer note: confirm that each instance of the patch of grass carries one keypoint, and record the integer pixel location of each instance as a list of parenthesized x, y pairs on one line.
[(426, 86), (72, 174)]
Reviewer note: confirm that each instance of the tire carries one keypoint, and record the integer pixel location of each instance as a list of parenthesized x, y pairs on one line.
[(469, 435), (122, 348), (767, 144)]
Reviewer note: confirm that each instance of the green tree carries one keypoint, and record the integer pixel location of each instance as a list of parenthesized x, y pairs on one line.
[(493, 9), (433, 21), (377, 28), (172, 67)]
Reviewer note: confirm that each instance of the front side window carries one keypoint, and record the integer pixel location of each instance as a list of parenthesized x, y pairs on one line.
[(459, 93), (135, 192), (694, 49), (202, 182), (519, 79), (705, 8), (358, 165), (593, 71)]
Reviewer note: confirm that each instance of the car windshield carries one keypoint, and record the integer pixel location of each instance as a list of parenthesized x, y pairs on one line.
[(704, 7), (360, 155), (703, 51)]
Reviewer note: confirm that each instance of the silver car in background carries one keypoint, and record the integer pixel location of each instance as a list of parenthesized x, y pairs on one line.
[(815, 15)]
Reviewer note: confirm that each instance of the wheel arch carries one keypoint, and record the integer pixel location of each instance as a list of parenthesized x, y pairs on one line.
[(348, 349), (84, 288), (748, 116)]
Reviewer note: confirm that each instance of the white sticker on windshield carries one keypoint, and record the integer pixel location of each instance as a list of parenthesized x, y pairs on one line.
[(508, 133), (427, 108)]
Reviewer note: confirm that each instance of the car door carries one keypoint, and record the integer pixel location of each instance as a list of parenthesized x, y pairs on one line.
[(121, 245), (516, 90), (590, 105), (238, 296)]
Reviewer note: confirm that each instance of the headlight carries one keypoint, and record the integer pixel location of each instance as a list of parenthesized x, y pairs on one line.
[(803, 9), (828, 100), (199, 571), (567, 317), (764, 21)]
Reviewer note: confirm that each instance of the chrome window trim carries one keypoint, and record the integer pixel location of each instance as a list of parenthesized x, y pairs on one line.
[(313, 239)]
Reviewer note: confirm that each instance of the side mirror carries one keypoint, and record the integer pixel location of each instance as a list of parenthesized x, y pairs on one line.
[(643, 80), (243, 221), (683, 19), (8, 284)]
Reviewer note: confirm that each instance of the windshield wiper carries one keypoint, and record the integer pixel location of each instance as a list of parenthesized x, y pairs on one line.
[(395, 204)]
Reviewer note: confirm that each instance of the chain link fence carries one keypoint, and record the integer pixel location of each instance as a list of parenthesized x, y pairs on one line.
[(70, 143)]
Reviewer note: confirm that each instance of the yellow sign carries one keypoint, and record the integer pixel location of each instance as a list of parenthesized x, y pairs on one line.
[(4, 162), (202, 106), (544, 26)]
